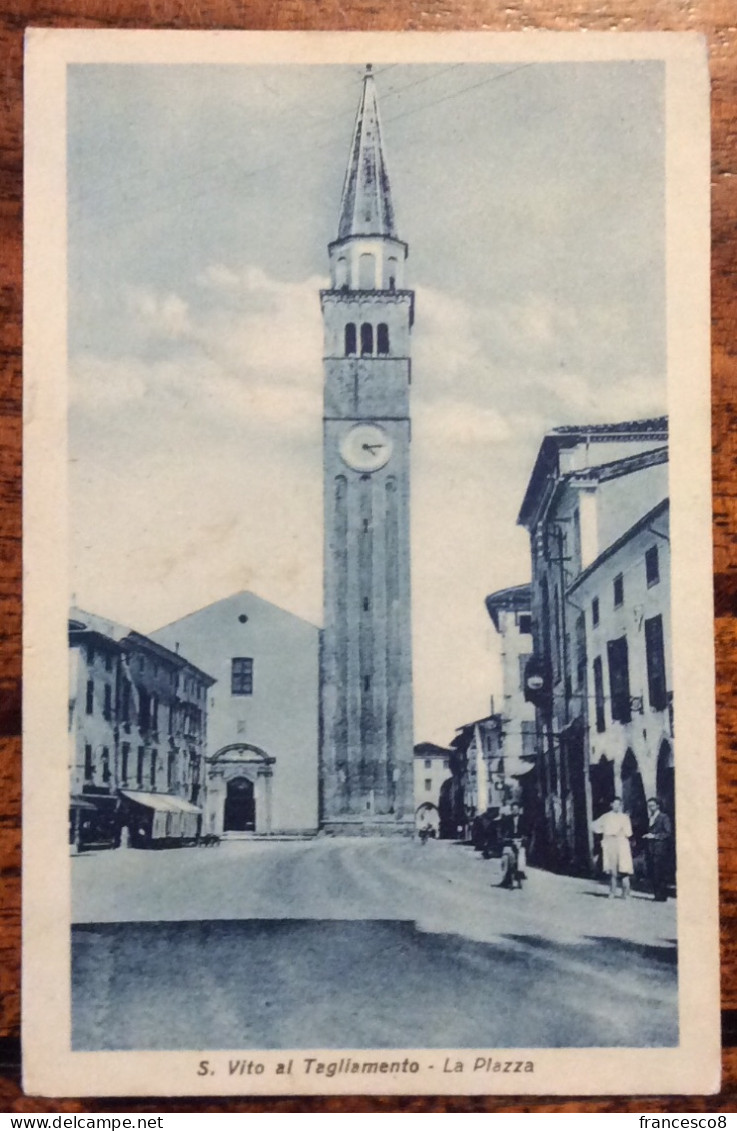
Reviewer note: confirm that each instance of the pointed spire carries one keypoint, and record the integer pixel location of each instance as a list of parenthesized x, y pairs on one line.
[(366, 208)]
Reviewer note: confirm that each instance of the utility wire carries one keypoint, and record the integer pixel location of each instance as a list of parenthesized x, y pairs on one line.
[(246, 174)]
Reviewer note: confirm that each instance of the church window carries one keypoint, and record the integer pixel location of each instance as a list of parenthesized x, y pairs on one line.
[(350, 338), (367, 338), (382, 338), (367, 272), (241, 676), (365, 604), (341, 273), (391, 273)]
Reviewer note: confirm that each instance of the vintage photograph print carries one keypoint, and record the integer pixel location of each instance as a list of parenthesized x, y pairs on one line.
[(369, 673)]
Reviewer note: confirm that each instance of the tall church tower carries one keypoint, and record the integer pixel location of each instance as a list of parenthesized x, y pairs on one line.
[(366, 761)]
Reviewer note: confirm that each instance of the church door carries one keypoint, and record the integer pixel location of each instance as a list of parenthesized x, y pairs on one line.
[(240, 807)]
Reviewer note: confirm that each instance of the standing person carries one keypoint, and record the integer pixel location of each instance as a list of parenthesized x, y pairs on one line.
[(616, 831), (512, 833), (658, 839)]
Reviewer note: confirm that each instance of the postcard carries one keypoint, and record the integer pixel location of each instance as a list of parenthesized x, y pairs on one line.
[(369, 681)]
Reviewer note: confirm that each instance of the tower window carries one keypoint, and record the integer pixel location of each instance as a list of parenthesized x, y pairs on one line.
[(241, 677), (365, 604), (350, 338), (391, 273), (382, 338), (367, 338)]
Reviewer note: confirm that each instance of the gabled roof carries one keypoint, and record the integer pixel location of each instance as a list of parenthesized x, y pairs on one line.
[(431, 750), (84, 624), (366, 206), (244, 598), (644, 523), (514, 599), (546, 471)]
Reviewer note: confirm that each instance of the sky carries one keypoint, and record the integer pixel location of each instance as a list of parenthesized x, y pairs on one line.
[(201, 200)]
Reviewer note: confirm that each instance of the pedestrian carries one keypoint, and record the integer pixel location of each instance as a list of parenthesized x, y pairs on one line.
[(512, 833), (615, 828), (658, 848)]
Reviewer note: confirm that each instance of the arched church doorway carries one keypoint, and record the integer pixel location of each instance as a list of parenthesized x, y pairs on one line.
[(634, 801), (240, 806)]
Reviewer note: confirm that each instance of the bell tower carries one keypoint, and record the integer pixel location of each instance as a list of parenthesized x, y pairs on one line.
[(366, 758)]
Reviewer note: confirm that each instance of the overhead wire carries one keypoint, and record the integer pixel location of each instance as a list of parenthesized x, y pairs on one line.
[(248, 174)]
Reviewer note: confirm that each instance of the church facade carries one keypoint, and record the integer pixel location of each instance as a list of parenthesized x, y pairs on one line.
[(366, 757), (262, 746)]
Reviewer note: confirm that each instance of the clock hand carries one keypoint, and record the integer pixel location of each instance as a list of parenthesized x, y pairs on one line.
[(372, 447)]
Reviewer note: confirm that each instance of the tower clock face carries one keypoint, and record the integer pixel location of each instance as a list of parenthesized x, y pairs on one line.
[(366, 447)]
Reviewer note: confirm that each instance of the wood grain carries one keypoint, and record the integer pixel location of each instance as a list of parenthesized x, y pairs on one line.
[(717, 20)]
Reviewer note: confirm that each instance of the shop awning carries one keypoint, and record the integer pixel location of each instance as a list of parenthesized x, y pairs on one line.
[(162, 802), (77, 802)]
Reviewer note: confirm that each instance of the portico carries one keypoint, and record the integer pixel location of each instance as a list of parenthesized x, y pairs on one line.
[(239, 791)]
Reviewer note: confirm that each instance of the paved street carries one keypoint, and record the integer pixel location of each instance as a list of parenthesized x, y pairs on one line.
[(396, 944)]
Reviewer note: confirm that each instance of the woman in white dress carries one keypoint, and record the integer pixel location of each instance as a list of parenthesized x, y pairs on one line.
[(616, 831)]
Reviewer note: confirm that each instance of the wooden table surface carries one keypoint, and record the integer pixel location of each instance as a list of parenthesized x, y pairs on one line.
[(717, 20)]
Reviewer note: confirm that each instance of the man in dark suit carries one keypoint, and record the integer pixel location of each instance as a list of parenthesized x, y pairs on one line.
[(658, 837)]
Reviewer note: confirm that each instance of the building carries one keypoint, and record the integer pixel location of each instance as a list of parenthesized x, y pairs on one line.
[(589, 486), (263, 713), (510, 613), (432, 769), (138, 734), (478, 777), (625, 597), (366, 763)]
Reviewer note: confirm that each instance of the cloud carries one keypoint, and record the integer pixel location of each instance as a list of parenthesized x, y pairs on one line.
[(447, 421)]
